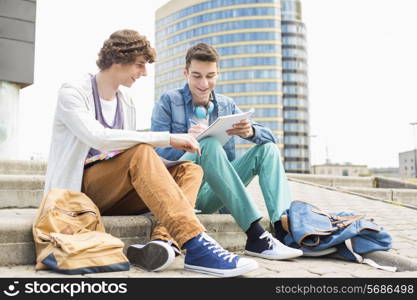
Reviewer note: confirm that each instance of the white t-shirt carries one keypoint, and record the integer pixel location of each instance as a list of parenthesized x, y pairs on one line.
[(108, 109)]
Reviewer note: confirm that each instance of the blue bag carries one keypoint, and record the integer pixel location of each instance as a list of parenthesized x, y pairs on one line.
[(311, 229)]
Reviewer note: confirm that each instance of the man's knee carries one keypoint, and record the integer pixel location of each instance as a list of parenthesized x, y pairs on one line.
[(192, 168), (210, 142), (144, 147), (211, 146), (142, 152), (269, 150)]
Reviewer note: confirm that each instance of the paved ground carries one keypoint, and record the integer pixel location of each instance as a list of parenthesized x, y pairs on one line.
[(399, 221)]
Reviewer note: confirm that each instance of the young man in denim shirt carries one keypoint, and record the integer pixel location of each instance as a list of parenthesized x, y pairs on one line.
[(193, 108)]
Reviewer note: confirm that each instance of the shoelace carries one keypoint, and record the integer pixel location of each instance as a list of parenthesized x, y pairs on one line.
[(223, 253), (270, 239)]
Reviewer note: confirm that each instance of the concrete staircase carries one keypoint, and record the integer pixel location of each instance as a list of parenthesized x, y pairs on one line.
[(22, 167), (386, 189), (21, 191), (21, 183), (334, 181)]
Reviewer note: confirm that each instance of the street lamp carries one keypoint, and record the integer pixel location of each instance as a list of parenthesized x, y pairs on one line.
[(415, 156), (310, 150)]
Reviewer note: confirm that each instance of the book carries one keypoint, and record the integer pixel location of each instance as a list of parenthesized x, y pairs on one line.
[(219, 127)]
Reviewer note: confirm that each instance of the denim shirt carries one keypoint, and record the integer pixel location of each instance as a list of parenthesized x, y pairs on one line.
[(173, 110)]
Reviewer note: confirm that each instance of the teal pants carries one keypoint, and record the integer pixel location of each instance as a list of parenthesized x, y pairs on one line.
[(224, 183)]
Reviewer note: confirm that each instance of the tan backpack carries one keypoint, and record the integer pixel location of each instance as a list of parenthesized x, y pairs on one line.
[(70, 237)]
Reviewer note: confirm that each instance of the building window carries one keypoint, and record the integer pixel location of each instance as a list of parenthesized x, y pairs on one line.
[(213, 28)]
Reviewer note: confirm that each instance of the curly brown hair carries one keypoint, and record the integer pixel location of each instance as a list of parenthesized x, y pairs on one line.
[(123, 47)]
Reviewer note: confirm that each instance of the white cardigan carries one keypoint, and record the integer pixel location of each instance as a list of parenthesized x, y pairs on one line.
[(75, 130)]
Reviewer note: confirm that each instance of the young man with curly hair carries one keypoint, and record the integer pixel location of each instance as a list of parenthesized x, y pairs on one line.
[(96, 149), (225, 177)]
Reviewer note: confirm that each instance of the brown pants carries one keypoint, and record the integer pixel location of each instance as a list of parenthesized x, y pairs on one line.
[(136, 181)]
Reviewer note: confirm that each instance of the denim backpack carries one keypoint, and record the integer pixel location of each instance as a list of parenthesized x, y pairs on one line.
[(312, 229)]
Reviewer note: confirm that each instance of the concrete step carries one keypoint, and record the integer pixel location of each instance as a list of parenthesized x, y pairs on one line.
[(400, 196), (335, 180), (384, 194), (36, 167), (21, 167), (21, 191), (393, 183), (17, 247), (26, 191)]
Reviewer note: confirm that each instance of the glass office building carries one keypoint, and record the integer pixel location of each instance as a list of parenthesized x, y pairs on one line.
[(247, 35), (295, 89)]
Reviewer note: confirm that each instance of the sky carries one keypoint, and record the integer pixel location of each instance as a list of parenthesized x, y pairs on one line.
[(361, 56)]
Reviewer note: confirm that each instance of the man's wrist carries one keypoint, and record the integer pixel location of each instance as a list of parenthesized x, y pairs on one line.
[(253, 133)]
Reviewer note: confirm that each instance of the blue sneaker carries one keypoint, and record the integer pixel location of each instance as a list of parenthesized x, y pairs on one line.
[(205, 255)]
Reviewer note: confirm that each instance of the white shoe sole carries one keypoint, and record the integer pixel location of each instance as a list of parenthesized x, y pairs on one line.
[(224, 273), (151, 257), (275, 257), (310, 253)]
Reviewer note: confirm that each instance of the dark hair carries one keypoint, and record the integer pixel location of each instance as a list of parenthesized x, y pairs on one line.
[(123, 47), (202, 52)]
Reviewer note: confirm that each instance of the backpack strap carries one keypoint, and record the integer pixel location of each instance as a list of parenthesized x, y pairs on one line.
[(346, 218), (341, 222), (367, 261), (285, 224)]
